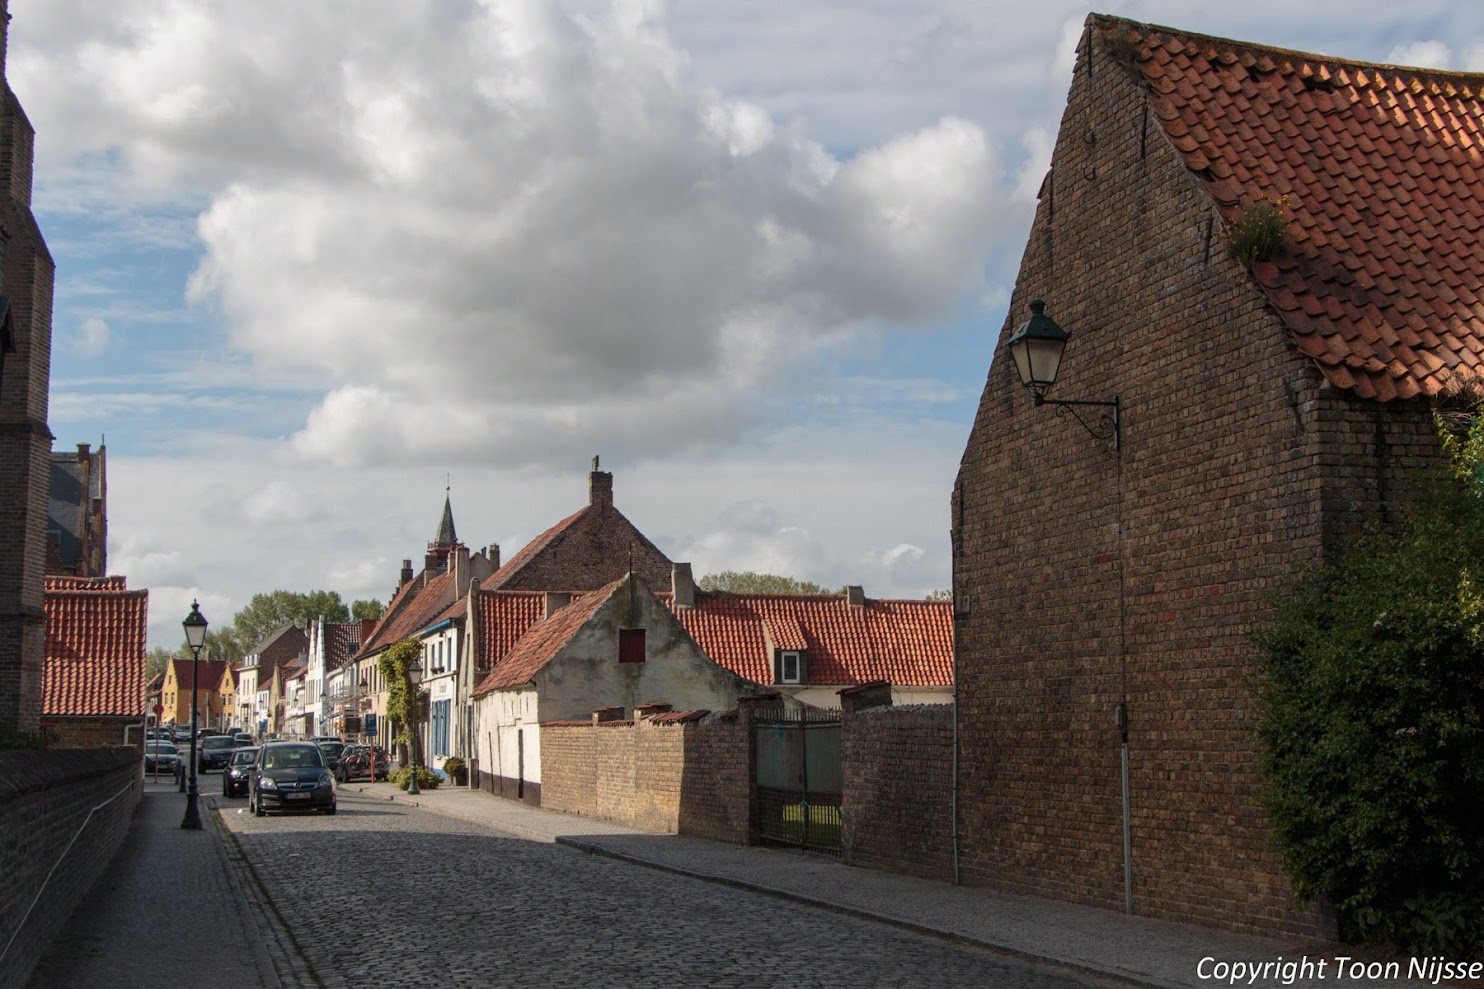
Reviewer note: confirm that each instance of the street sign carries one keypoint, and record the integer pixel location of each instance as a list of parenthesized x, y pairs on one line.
[(159, 709)]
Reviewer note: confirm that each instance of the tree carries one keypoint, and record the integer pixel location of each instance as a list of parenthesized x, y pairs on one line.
[(156, 660), (362, 610), (938, 594), (1371, 699), (751, 582), (266, 612), (393, 665)]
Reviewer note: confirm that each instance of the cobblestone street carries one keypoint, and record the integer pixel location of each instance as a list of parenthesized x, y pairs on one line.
[(389, 896)]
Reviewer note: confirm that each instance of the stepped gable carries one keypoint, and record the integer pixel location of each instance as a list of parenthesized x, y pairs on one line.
[(1382, 282), (95, 647)]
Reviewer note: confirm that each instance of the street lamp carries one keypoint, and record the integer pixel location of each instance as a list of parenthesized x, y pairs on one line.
[(195, 633), (1037, 346), (414, 677)]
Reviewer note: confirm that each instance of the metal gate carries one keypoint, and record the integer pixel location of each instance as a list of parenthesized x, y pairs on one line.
[(797, 782)]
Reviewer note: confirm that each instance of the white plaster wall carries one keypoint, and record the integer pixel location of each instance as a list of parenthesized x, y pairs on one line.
[(500, 717)]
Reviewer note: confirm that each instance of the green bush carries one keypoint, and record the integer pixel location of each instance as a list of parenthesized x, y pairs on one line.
[(1372, 691), (457, 769), (426, 778)]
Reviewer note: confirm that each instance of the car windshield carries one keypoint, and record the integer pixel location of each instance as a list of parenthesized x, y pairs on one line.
[(293, 757), (244, 757), (217, 742), (162, 747)]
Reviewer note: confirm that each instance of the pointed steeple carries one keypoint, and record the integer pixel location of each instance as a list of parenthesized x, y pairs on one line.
[(445, 540)]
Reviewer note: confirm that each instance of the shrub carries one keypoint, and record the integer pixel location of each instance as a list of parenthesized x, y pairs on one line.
[(426, 778), (456, 769), (1259, 232), (1371, 698)]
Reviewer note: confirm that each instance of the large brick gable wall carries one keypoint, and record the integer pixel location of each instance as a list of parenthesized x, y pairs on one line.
[(1085, 575)]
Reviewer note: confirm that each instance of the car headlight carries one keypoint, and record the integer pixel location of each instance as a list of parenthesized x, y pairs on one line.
[(266, 783), (325, 779)]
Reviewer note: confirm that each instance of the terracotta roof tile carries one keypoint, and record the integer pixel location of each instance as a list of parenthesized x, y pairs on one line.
[(95, 640), (543, 641), (1383, 165), (504, 616), (414, 607), (908, 643)]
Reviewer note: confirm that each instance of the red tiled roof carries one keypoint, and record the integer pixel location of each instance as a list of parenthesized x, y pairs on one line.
[(543, 641), (504, 616), (211, 673), (531, 550), (340, 637), (95, 638), (1382, 284), (908, 643), (412, 609)]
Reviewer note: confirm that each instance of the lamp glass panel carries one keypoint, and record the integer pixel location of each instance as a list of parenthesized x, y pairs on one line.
[(1022, 361), (1044, 357)]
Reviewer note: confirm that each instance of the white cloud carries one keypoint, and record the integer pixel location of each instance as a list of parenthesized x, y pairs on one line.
[(1422, 54), (92, 336), (1473, 60)]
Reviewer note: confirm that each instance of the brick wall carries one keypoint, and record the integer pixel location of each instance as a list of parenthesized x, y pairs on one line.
[(898, 801), (1090, 575), (93, 733), (45, 798)]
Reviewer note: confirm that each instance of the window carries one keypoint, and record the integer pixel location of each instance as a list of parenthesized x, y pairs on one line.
[(790, 667), (631, 645)]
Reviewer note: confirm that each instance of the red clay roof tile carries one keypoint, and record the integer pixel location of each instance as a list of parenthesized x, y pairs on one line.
[(95, 640), (1383, 167)]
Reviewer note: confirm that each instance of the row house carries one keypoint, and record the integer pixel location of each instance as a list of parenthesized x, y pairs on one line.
[(175, 692), (471, 614), (255, 692)]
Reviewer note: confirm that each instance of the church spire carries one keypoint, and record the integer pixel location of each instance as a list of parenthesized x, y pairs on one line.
[(445, 540)]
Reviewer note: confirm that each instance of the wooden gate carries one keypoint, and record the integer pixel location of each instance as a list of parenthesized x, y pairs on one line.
[(797, 782)]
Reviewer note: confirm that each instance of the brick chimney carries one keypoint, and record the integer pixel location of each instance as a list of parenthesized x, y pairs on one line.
[(600, 489), (406, 573), (603, 714), (554, 601), (494, 555), (855, 595), (682, 585), (643, 712)]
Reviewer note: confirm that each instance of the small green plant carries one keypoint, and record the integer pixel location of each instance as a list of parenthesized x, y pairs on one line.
[(426, 778), (457, 769), (1260, 231), (1118, 44)]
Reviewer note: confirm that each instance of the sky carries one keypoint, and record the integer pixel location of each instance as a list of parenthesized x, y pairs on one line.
[(319, 262)]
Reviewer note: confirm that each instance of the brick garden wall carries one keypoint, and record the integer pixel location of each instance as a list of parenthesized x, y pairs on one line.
[(898, 801), (1086, 574), (44, 800)]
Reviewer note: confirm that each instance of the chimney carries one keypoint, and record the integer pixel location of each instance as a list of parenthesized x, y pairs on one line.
[(682, 586), (431, 563), (406, 573), (855, 595), (555, 601), (494, 555), (83, 450), (459, 564), (643, 712), (600, 489), (603, 714)]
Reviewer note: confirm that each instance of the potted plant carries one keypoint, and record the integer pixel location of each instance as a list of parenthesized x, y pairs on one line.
[(457, 770)]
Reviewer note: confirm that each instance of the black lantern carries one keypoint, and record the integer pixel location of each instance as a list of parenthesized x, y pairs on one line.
[(1037, 346)]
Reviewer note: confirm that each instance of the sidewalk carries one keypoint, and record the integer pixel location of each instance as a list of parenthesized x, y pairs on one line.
[(1136, 950), (164, 911)]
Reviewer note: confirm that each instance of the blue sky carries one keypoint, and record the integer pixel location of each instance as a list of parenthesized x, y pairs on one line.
[(315, 258)]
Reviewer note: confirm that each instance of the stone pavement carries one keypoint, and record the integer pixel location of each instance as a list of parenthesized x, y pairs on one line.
[(171, 910), (1137, 950), (183, 908)]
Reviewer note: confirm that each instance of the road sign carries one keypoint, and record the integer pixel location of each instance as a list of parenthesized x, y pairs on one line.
[(159, 709)]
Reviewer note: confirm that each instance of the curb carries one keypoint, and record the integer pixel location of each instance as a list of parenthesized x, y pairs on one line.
[(1019, 954)]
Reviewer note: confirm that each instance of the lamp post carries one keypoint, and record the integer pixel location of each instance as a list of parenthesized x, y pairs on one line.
[(195, 632), (414, 677)]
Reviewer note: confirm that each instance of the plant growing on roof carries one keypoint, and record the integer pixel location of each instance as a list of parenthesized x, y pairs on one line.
[(1118, 42), (1260, 231)]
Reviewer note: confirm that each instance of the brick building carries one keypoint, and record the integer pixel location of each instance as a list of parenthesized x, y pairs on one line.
[(77, 513), (1265, 413), (94, 686), (26, 272)]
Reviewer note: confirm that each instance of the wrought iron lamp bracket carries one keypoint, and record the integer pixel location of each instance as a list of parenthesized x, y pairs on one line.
[(1107, 424)]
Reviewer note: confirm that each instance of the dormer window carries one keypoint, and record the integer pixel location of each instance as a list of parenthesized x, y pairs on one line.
[(790, 667)]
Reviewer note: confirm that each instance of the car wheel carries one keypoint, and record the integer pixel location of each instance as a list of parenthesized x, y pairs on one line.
[(258, 810), (330, 809)]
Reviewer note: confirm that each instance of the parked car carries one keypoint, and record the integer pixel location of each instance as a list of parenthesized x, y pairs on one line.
[(160, 757), (180, 733), (243, 738), (234, 778), (332, 750), (356, 763), (214, 752), (290, 776)]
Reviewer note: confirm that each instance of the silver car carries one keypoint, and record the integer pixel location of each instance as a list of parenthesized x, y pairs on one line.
[(160, 757)]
